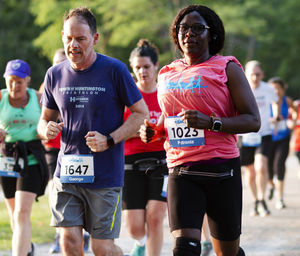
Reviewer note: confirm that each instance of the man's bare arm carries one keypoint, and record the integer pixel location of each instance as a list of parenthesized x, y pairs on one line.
[(139, 111), (47, 127)]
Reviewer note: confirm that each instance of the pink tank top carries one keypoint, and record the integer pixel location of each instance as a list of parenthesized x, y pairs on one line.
[(199, 87)]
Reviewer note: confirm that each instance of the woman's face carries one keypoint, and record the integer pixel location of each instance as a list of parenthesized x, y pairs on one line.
[(193, 40), (16, 86), (278, 89), (144, 70)]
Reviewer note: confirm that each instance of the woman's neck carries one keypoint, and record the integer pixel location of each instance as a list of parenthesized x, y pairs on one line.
[(19, 102), (147, 88), (193, 60)]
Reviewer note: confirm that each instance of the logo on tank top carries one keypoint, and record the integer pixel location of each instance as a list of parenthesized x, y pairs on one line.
[(195, 83), (154, 116)]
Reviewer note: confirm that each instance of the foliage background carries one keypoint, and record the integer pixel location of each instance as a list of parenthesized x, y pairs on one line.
[(255, 29)]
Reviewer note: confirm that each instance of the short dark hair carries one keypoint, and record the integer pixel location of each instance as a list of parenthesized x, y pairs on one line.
[(145, 49), (216, 27), (278, 80), (85, 14)]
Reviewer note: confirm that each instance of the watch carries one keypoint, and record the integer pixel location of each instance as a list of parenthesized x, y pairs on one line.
[(216, 123), (110, 141)]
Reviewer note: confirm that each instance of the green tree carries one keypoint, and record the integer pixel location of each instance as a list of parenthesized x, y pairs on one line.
[(17, 32), (121, 24), (255, 29)]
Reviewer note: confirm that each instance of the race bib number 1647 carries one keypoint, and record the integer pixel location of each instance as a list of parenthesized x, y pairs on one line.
[(77, 169)]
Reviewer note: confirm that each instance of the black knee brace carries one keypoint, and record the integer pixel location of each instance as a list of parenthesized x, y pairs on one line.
[(241, 252), (185, 246)]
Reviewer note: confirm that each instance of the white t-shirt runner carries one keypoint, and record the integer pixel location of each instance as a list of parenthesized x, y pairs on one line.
[(264, 95)]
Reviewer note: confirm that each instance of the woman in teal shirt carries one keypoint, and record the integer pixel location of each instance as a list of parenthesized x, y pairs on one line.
[(22, 162)]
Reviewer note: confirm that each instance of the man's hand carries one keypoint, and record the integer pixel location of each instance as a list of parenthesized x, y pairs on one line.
[(96, 141), (53, 129)]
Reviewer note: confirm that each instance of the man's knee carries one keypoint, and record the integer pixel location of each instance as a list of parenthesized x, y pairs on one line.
[(70, 243), (105, 247), (185, 246)]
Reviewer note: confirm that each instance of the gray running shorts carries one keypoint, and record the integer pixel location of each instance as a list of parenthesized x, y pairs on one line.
[(98, 211)]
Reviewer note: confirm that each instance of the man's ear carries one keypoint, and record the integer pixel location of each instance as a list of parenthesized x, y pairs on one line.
[(96, 38)]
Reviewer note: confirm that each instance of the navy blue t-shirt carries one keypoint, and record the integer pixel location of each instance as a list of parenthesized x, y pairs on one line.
[(92, 100)]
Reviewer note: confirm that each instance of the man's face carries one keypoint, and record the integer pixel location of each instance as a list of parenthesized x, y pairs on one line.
[(254, 76), (79, 42)]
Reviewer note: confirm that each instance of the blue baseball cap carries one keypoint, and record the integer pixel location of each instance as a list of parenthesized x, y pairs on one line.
[(18, 68)]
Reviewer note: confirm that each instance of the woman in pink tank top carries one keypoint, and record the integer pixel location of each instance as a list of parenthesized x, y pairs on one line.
[(205, 100)]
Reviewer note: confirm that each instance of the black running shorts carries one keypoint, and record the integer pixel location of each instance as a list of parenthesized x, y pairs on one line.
[(140, 187), (248, 153), (51, 159), (190, 196), (30, 183)]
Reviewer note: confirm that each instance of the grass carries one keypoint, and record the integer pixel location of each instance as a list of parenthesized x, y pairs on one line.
[(40, 219)]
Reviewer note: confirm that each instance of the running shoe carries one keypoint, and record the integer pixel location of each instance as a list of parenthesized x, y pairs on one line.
[(254, 212), (55, 248), (86, 242), (280, 204), (271, 193), (264, 211), (206, 248), (138, 250), (31, 253)]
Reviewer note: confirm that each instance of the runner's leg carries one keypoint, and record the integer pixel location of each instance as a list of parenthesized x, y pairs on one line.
[(21, 241), (155, 213)]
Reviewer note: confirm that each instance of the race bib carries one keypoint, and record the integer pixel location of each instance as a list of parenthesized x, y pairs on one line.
[(182, 136), (251, 139), (282, 125), (165, 186), (77, 169), (7, 166)]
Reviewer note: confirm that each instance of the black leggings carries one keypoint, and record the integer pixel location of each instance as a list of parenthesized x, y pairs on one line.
[(190, 196), (279, 151)]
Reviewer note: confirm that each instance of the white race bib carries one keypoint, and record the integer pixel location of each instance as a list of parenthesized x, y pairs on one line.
[(182, 136), (165, 186), (7, 166), (77, 169), (252, 139)]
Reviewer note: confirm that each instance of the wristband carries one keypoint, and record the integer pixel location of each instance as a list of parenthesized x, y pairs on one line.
[(110, 141), (216, 123)]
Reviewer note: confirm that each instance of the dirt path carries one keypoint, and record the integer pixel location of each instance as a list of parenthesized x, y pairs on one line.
[(275, 235)]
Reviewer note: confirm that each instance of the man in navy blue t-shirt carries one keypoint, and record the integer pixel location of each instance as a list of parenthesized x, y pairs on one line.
[(90, 92)]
